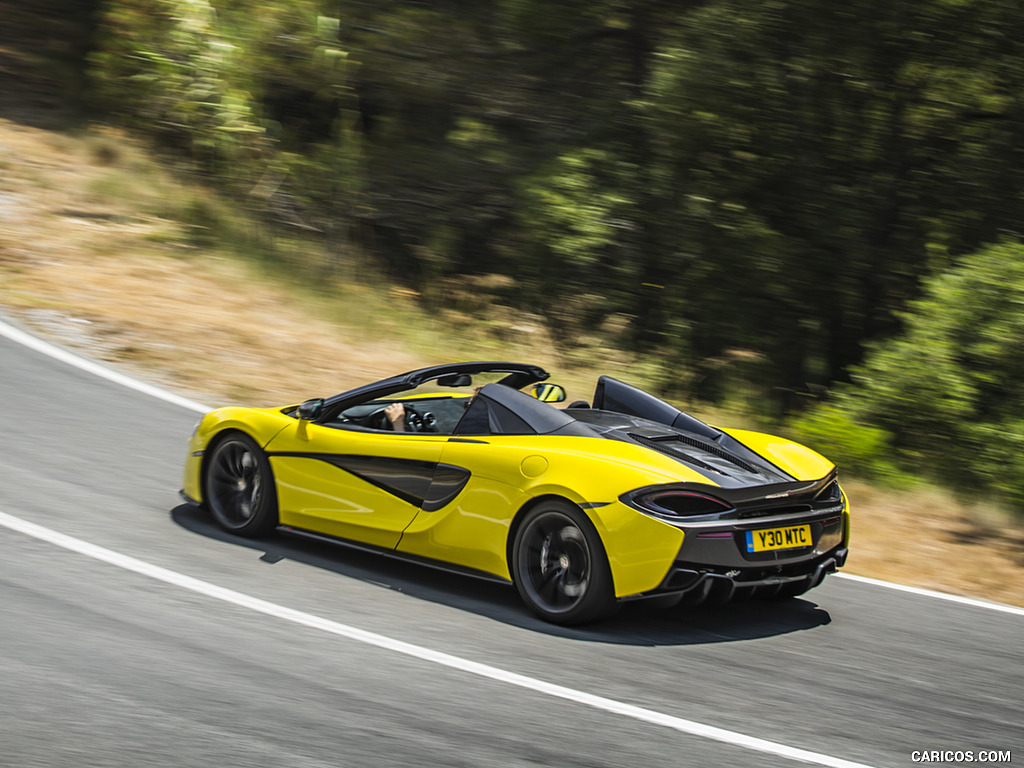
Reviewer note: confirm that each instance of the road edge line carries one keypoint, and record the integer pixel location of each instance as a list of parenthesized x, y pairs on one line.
[(384, 642), (1001, 607), (58, 353)]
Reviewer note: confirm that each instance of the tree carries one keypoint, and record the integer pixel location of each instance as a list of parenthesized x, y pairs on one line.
[(950, 389), (826, 157)]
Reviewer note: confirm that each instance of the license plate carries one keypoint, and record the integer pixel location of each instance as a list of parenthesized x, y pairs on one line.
[(779, 538)]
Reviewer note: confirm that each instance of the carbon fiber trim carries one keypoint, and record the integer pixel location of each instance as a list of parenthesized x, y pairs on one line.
[(423, 484)]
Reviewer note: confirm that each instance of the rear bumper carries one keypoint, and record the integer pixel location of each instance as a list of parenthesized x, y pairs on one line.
[(721, 584)]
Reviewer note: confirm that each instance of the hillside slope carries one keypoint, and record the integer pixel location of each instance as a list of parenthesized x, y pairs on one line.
[(102, 249)]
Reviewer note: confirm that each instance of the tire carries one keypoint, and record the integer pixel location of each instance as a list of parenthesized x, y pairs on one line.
[(239, 486), (560, 567)]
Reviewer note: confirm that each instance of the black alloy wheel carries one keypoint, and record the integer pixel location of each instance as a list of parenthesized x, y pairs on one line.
[(240, 488), (560, 566)]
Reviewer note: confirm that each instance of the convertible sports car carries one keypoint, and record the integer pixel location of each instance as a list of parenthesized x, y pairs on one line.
[(581, 508)]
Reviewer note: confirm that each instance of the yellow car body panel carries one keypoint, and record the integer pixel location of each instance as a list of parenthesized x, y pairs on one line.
[(643, 551), (798, 460), (316, 495), (261, 424), (846, 520), (509, 472), (472, 531)]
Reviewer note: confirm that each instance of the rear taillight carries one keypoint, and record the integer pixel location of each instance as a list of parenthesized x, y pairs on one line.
[(681, 503), (831, 492)]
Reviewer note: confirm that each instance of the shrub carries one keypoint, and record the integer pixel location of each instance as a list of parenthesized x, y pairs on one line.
[(950, 390), (854, 447)]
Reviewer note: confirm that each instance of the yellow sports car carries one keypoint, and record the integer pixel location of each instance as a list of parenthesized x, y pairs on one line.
[(472, 467)]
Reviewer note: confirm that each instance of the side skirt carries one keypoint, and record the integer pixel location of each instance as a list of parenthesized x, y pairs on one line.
[(429, 562), (190, 501)]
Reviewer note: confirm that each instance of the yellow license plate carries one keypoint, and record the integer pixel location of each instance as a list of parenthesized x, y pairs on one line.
[(779, 538)]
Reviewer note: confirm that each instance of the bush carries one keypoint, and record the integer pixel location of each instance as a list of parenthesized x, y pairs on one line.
[(950, 390), (854, 447)]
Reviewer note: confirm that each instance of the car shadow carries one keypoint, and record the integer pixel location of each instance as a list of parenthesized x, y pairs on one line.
[(637, 623)]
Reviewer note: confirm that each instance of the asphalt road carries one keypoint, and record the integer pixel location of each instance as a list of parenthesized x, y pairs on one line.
[(103, 666)]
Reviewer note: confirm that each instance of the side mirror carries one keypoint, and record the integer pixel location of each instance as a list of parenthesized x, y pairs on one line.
[(455, 380), (311, 409), (548, 393)]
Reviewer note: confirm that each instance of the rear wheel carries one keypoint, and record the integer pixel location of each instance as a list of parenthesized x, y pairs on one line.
[(239, 486), (560, 566)]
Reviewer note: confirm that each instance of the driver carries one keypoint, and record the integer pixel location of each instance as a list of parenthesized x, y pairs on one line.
[(396, 415)]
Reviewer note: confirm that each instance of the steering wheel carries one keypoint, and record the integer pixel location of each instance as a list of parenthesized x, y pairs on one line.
[(413, 420), (378, 420), (418, 422)]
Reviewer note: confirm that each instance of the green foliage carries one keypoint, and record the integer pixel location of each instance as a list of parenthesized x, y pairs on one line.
[(238, 86), (720, 180), (184, 77), (575, 214), (861, 450), (567, 202), (817, 149), (950, 390)]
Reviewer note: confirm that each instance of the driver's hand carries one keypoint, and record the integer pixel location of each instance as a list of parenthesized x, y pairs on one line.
[(396, 415)]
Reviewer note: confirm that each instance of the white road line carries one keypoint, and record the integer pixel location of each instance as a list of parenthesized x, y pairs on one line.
[(1011, 609), (46, 348), (398, 646)]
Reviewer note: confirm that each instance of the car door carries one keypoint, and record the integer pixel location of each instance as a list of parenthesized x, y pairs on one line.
[(357, 484), (471, 529)]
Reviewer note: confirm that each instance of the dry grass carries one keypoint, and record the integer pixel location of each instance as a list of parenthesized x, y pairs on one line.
[(94, 253), (84, 258), (928, 539)]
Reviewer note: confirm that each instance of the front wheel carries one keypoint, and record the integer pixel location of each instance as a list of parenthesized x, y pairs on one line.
[(240, 487), (560, 566)]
